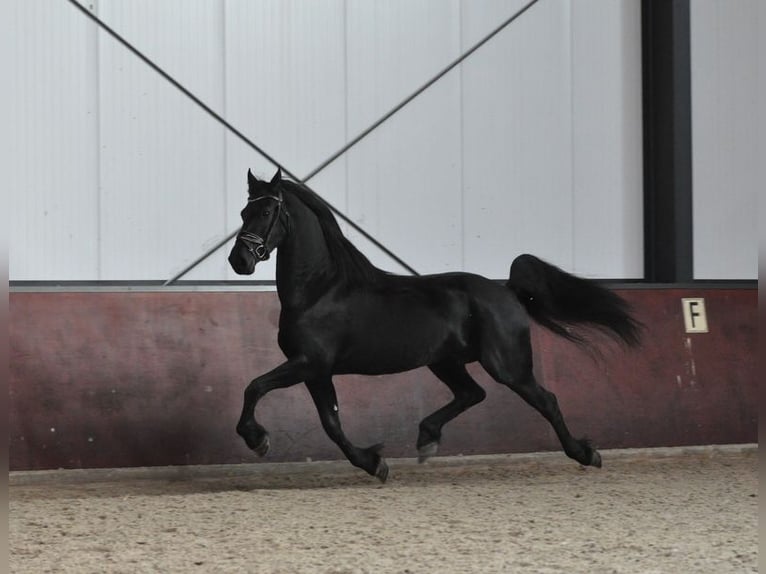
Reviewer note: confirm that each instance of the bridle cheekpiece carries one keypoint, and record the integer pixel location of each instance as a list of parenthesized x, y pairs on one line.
[(254, 243)]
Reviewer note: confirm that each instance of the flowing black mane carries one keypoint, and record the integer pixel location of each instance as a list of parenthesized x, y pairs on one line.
[(351, 265)]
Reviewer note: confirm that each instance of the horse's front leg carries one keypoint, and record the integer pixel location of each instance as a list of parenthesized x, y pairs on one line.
[(369, 459), (287, 374)]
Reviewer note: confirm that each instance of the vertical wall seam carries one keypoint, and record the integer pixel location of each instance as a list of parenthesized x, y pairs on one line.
[(345, 106), (96, 63), (462, 139), (224, 135), (572, 138)]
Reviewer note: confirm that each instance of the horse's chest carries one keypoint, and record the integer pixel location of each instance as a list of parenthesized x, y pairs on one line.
[(314, 337)]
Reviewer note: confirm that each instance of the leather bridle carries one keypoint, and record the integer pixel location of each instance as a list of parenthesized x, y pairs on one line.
[(256, 244)]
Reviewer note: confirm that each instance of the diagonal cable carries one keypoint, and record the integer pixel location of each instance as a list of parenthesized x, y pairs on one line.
[(241, 136), (334, 156), (370, 129), (419, 91)]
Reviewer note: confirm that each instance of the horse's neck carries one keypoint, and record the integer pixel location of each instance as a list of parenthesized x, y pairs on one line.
[(303, 261)]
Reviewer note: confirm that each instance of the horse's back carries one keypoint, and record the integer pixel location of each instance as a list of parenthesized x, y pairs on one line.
[(482, 295), (403, 323), (411, 322), (492, 313)]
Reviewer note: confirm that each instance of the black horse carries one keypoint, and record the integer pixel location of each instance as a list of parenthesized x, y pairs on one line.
[(340, 314)]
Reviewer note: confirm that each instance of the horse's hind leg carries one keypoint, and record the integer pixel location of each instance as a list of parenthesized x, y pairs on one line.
[(511, 365), (369, 459), (467, 393)]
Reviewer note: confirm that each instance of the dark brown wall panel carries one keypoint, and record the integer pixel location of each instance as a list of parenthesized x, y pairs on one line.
[(145, 378)]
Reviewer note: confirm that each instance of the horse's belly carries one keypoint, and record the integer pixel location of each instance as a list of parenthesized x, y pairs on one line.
[(390, 345)]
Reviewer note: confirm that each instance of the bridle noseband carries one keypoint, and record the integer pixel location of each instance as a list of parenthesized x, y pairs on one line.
[(256, 244)]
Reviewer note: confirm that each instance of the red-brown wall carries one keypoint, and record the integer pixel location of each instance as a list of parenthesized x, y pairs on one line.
[(126, 379)]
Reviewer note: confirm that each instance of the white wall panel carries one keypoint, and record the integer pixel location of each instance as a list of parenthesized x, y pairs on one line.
[(553, 151), (405, 178), (285, 89), (727, 112), (517, 142), (607, 139), (53, 137), (285, 77), (161, 157), (533, 144)]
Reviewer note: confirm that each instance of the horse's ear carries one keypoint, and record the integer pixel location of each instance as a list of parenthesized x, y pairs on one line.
[(250, 178), (277, 176)]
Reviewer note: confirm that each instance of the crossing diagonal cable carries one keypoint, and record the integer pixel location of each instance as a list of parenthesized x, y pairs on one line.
[(329, 160), (367, 131), (242, 137), (364, 133)]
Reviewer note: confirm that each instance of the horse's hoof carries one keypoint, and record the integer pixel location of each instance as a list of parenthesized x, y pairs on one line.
[(381, 469), (595, 459), (263, 447), (427, 450), (381, 472)]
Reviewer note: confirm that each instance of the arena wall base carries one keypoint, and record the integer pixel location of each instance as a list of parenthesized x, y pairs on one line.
[(136, 379)]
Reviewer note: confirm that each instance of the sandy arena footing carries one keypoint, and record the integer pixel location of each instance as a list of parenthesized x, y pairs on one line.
[(648, 510)]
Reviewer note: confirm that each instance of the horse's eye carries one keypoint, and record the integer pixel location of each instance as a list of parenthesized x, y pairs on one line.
[(266, 213)]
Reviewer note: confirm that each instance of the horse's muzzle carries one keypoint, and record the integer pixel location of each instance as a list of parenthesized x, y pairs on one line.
[(242, 260)]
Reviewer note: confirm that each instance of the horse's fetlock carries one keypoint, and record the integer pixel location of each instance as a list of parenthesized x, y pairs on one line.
[(428, 434)]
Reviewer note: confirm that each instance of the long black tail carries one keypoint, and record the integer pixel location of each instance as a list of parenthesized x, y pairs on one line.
[(557, 299)]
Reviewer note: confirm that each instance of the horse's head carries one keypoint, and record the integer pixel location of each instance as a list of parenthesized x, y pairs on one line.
[(263, 224)]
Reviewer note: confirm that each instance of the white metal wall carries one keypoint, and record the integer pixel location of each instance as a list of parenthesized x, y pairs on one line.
[(728, 58), (533, 144)]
